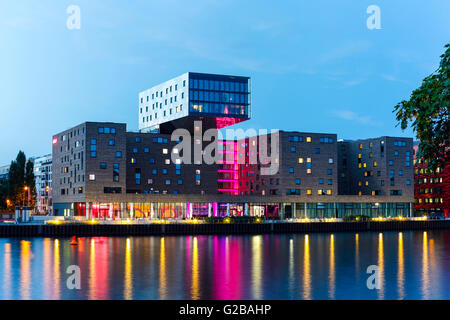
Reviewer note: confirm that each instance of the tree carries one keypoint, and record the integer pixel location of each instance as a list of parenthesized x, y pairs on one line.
[(4, 193), (30, 183), (428, 112), (21, 175)]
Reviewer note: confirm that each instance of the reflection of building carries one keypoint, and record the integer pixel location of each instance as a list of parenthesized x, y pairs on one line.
[(43, 179), (431, 189), (4, 172), (101, 170)]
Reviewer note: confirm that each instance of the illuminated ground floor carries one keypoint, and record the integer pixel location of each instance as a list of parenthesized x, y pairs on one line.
[(269, 210)]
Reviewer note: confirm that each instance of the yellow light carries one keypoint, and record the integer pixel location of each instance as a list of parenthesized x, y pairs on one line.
[(227, 220)]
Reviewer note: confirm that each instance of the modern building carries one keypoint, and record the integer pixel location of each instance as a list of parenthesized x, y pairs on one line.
[(102, 171), (431, 189), (378, 166), (43, 180), (216, 100), (4, 172)]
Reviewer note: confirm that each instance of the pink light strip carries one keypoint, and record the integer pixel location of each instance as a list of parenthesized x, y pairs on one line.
[(228, 190)]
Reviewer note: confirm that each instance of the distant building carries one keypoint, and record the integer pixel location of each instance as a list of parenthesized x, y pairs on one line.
[(431, 189), (43, 180), (4, 172)]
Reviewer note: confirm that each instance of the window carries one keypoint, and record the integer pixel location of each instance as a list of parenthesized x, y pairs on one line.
[(112, 142), (330, 160), (180, 181), (102, 165), (308, 139), (291, 170), (391, 162), (300, 160), (320, 181), (330, 182), (168, 182), (135, 150), (137, 175), (164, 171), (400, 172), (92, 177), (330, 171), (146, 150), (152, 160), (317, 150), (93, 154), (115, 172), (375, 164), (118, 154), (293, 149), (297, 181), (154, 171), (408, 182), (165, 151), (133, 160), (308, 191), (138, 139)]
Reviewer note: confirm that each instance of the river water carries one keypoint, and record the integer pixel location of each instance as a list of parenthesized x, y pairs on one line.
[(407, 265)]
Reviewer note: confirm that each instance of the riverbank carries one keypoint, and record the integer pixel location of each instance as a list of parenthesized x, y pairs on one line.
[(162, 229)]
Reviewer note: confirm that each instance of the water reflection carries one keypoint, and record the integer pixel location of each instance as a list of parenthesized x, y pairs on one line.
[(332, 276), (425, 268), (128, 287), (162, 270), (257, 266), (7, 276), (195, 271), (401, 268), (381, 266), (306, 271), (412, 265)]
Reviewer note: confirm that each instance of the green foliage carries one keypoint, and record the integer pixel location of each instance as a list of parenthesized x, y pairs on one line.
[(4, 192), (234, 219), (21, 174), (427, 111), (356, 218)]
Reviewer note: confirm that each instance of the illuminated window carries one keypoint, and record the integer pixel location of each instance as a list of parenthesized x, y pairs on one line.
[(359, 193), (364, 165), (359, 183), (133, 160), (167, 161), (92, 177), (359, 155), (308, 159), (308, 171), (359, 165), (165, 151), (367, 183), (308, 139), (300, 160), (373, 192), (360, 146), (375, 163), (329, 192), (308, 191)]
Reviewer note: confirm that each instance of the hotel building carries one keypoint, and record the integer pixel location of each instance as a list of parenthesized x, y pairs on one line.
[(101, 170), (431, 189)]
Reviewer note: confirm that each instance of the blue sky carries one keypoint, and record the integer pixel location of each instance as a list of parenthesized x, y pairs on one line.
[(314, 65)]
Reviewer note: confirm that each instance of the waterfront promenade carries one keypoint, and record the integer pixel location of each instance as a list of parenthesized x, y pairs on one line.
[(162, 227)]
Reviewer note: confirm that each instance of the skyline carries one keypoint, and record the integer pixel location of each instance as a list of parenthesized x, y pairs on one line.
[(318, 63)]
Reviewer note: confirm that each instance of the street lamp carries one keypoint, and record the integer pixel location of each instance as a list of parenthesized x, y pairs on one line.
[(26, 189)]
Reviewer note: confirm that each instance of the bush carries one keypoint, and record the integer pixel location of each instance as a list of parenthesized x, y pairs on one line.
[(356, 218), (234, 219)]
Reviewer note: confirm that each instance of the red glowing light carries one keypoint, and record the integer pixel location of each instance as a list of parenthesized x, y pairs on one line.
[(55, 141)]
